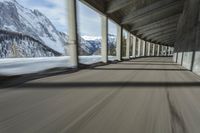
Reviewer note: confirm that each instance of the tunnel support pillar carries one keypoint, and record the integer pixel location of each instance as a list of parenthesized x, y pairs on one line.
[(143, 48), (153, 49), (166, 51), (128, 42), (149, 49), (158, 50), (139, 46), (162, 50), (134, 46), (104, 30), (119, 43), (169, 51), (73, 33)]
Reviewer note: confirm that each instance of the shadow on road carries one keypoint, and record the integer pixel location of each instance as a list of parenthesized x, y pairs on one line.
[(108, 84), (142, 69)]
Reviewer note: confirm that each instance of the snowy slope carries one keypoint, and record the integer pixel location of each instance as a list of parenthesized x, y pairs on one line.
[(18, 66), (97, 40), (16, 45), (14, 17), (95, 43)]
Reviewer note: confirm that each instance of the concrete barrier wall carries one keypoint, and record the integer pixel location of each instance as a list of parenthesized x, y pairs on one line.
[(179, 59), (188, 36), (174, 57), (187, 60), (196, 65)]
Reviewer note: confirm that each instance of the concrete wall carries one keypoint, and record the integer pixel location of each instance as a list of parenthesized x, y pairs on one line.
[(179, 58), (174, 57), (188, 37), (196, 66), (188, 27), (187, 60)]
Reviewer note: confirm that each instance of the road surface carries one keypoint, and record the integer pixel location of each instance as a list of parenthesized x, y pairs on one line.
[(147, 95)]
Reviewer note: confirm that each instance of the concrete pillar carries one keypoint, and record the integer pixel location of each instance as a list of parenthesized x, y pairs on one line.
[(192, 62), (119, 43), (143, 48), (139, 44), (169, 51), (73, 36), (172, 50), (104, 43), (166, 51), (128, 43), (134, 47), (149, 49), (153, 49), (162, 50), (158, 50)]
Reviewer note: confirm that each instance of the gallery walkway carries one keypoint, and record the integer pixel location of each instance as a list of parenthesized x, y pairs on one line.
[(147, 95)]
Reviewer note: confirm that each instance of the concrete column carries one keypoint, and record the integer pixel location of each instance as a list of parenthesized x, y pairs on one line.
[(139, 44), (134, 46), (149, 49), (143, 48), (166, 50), (169, 51), (119, 43), (73, 36), (128, 43), (153, 50), (158, 51), (172, 52), (162, 50), (192, 62), (104, 44)]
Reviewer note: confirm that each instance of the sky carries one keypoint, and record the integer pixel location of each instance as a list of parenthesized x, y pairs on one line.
[(89, 21)]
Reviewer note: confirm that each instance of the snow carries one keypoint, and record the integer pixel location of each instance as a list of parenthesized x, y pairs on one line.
[(18, 66), (90, 59), (93, 59), (58, 46), (112, 58), (32, 23), (91, 37), (10, 27)]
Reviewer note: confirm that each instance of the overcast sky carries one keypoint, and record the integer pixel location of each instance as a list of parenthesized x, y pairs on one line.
[(89, 20)]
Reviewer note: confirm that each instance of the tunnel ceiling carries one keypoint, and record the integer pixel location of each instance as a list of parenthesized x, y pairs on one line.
[(152, 20)]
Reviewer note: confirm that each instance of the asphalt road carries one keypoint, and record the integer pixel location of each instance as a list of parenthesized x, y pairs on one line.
[(149, 95)]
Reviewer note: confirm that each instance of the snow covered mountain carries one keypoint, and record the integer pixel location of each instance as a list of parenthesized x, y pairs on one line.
[(97, 40), (16, 45), (33, 35), (16, 18), (95, 43)]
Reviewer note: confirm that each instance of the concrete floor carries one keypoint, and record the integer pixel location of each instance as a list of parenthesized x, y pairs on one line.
[(147, 95)]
